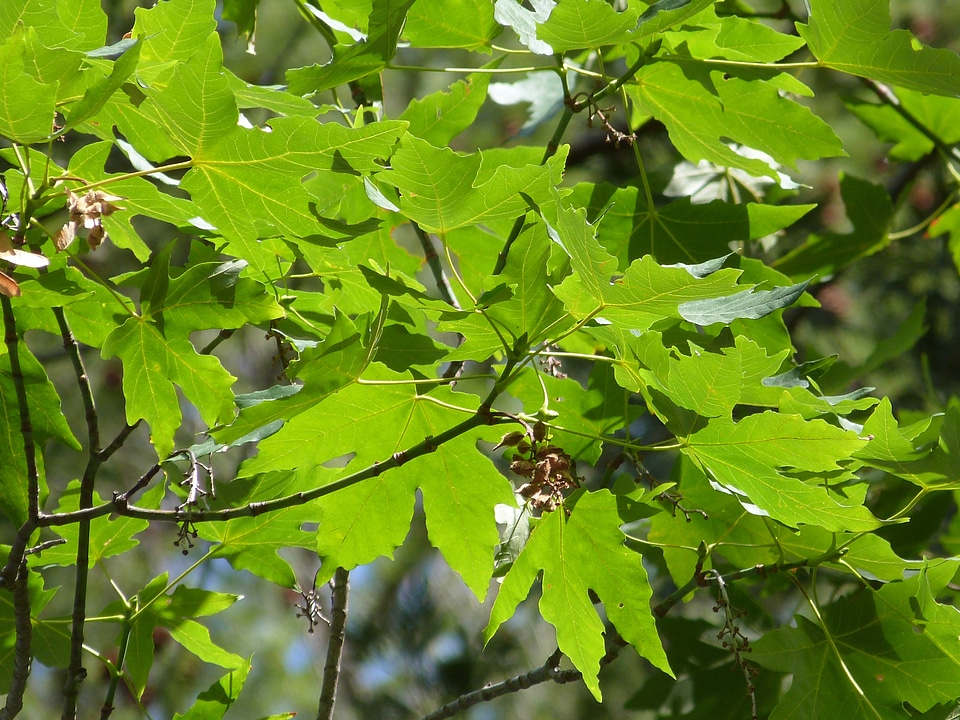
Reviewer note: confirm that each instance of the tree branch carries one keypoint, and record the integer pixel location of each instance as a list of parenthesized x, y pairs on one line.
[(703, 578), (436, 269), (18, 550), (340, 585), (548, 671), (570, 106), (22, 659), (120, 503), (887, 96), (107, 710), (11, 338), (75, 670), (118, 441), (223, 335)]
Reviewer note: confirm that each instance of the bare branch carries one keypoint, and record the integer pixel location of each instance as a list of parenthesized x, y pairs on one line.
[(120, 503), (436, 268), (75, 671), (340, 586), (22, 659), (118, 441), (11, 338), (224, 334), (83, 380), (548, 671)]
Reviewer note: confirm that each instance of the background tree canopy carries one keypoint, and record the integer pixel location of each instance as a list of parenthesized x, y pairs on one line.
[(602, 352)]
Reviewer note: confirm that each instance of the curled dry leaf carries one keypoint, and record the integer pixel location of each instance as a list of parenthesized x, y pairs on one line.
[(8, 286), (86, 211), (17, 256)]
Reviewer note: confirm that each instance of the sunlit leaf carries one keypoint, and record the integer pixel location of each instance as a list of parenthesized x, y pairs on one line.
[(752, 460), (855, 37), (577, 553)]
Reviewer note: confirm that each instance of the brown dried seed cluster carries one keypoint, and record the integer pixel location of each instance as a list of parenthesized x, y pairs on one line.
[(86, 211), (550, 470)]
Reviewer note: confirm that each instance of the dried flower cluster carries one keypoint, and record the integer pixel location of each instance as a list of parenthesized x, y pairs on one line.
[(550, 470), (87, 212)]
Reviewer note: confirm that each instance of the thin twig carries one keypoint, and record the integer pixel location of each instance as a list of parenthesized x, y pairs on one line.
[(548, 671), (22, 659), (224, 334), (120, 503), (887, 96), (703, 579), (340, 586), (11, 338), (75, 670), (108, 707), (732, 639), (18, 550), (436, 268), (83, 380), (118, 441)]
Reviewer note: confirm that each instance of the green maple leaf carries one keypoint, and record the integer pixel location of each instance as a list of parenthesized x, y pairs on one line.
[(734, 38), (171, 32), (252, 543), (27, 106), (575, 24), (871, 653), (855, 37), (441, 116), (662, 15), (870, 211), (577, 553), (901, 452), (325, 369), (645, 294), (679, 231), (750, 459), (712, 384), (152, 365), (460, 487), (78, 25), (103, 88), (750, 304), (369, 55), (467, 24), (935, 113), (157, 353), (175, 612), (530, 311), (443, 190), (213, 702), (47, 423), (480, 341), (247, 181), (700, 106), (716, 519)]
